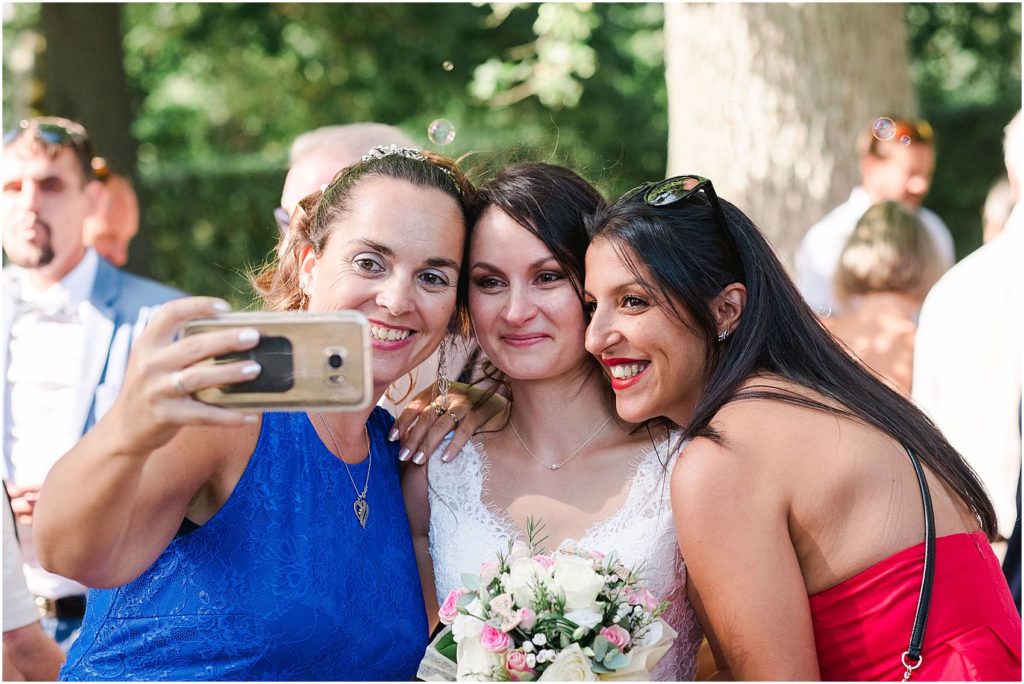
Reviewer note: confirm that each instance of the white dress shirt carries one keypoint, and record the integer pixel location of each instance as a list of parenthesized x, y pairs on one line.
[(967, 362), (19, 606), (45, 366), (818, 255)]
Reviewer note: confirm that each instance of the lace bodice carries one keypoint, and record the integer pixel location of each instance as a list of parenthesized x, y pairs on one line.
[(466, 531)]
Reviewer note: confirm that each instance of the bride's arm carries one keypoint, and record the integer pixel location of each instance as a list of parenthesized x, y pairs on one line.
[(417, 506)]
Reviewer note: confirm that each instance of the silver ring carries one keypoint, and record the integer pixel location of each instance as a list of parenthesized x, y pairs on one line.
[(179, 383)]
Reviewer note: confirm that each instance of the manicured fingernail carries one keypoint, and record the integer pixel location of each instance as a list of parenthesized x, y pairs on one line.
[(445, 457), (250, 418), (251, 369), (393, 435), (403, 455), (221, 305), (419, 458), (248, 335)]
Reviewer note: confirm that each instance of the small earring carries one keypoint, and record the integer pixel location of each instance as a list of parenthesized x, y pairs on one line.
[(722, 336)]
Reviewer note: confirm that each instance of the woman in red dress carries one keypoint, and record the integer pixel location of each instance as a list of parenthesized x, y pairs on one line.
[(807, 485)]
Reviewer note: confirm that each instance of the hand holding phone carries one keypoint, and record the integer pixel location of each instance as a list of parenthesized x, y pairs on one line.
[(309, 360)]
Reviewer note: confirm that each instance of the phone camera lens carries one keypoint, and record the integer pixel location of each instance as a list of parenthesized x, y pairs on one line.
[(335, 360)]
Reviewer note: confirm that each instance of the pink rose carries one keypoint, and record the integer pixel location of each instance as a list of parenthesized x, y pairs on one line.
[(488, 571), (617, 636), (527, 618), (647, 599), (518, 670), (494, 640), (546, 561), (448, 611)]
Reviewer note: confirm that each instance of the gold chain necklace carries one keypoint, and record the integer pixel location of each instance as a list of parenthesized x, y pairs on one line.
[(360, 508), (568, 458)]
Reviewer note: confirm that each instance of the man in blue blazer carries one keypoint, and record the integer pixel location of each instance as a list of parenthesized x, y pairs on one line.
[(70, 319)]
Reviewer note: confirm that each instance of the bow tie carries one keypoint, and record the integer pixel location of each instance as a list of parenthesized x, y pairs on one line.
[(54, 312)]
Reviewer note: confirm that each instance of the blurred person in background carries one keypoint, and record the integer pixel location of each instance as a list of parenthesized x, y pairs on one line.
[(29, 653), (70, 319), (314, 159), (317, 155), (998, 204), (967, 366), (890, 171), (110, 230), (884, 272)]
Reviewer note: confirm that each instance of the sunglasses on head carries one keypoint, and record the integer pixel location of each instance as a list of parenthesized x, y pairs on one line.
[(678, 189), (51, 131)]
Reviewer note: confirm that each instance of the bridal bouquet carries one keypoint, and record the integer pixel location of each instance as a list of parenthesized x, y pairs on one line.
[(574, 615)]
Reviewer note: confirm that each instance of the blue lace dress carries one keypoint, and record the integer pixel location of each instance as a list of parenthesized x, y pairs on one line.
[(281, 584)]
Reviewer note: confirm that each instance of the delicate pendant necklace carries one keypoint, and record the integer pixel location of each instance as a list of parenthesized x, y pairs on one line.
[(556, 466), (360, 508)]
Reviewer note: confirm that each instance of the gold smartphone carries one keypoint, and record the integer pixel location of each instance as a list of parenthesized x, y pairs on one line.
[(309, 361)]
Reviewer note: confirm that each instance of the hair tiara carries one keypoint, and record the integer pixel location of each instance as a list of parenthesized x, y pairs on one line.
[(381, 151)]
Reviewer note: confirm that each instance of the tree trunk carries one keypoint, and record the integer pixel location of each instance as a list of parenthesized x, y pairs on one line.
[(767, 100), (84, 77)]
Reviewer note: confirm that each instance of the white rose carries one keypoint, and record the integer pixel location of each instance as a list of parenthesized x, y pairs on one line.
[(467, 626), (579, 583), (585, 618), (520, 550), (474, 662), (570, 666), (525, 574)]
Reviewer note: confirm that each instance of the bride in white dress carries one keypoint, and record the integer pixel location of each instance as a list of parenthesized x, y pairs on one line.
[(560, 455)]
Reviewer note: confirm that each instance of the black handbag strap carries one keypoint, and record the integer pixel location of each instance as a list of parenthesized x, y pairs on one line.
[(913, 651)]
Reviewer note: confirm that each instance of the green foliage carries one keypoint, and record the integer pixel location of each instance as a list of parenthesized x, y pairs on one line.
[(223, 89), (965, 53), (446, 645), (209, 227), (966, 67)]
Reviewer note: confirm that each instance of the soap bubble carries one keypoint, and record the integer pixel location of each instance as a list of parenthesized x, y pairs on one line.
[(905, 140), (884, 128), (447, 65), (441, 131)]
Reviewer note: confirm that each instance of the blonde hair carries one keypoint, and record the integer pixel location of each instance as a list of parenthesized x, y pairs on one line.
[(890, 250)]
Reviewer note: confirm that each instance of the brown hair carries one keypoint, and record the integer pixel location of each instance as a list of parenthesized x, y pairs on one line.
[(277, 282), (890, 250), (919, 132), (53, 134)]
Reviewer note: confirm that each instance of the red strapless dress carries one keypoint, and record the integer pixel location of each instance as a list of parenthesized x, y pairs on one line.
[(862, 625)]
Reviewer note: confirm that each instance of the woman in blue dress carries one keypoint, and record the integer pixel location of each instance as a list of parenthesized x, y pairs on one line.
[(233, 546)]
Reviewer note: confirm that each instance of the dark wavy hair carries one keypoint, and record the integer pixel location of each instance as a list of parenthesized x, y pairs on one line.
[(315, 216), (684, 258), (553, 204)]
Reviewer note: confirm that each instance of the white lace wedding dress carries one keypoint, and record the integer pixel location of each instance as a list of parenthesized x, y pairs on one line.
[(465, 531)]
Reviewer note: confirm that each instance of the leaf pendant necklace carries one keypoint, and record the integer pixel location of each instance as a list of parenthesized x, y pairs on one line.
[(360, 508)]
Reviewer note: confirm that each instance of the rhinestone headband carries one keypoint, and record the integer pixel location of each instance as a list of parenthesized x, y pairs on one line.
[(381, 151)]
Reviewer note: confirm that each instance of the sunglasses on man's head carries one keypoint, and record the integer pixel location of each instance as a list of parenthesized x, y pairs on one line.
[(51, 131)]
